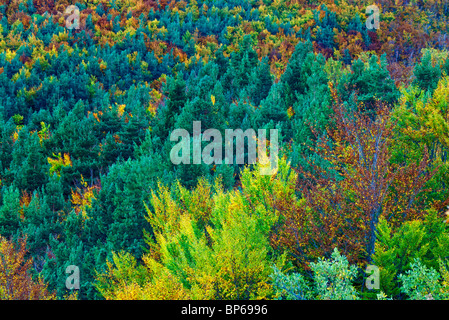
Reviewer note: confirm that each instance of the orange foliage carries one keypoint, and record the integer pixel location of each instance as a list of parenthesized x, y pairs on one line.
[(25, 201), (82, 198), (343, 202), (15, 281)]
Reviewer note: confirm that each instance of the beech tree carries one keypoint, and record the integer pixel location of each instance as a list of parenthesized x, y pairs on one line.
[(16, 282), (354, 185)]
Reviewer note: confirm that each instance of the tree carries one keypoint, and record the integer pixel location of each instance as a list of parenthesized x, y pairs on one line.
[(261, 81), (9, 211), (371, 81), (28, 164), (207, 243), (397, 248), (272, 109), (297, 71), (332, 280), (240, 66), (16, 282), (326, 26), (422, 283), (427, 73), (290, 287), (421, 126), (352, 186), (176, 101)]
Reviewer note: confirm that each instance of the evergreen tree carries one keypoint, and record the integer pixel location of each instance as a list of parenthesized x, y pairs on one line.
[(371, 81), (9, 211), (28, 164), (261, 81), (427, 75), (296, 73), (175, 102)]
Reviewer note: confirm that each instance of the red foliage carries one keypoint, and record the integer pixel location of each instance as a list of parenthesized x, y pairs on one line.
[(45, 5), (345, 199)]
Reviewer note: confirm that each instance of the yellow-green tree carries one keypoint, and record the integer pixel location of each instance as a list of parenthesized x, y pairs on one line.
[(423, 123), (207, 243)]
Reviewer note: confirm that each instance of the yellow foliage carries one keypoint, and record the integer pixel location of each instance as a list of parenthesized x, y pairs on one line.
[(132, 57), (103, 66), (156, 97), (121, 109), (44, 132), (426, 121), (59, 162), (24, 72), (164, 287), (10, 55), (15, 280), (15, 135), (82, 198), (445, 277), (207, 243)]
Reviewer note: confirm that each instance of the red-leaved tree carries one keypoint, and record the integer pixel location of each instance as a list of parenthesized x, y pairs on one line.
[(351, 187)]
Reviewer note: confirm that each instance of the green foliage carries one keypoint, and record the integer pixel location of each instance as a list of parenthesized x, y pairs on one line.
[(371, 81), (124, 271), (396, 250), (9, 211), (422, 283), (427, 74), (290, 287), (333, 278), (211, 244), (85, 123), (421, 127)]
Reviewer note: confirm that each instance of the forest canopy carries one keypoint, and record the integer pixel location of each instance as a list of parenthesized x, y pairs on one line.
[(90, 97)]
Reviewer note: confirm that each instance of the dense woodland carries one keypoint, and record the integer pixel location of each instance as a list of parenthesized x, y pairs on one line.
[(86, 177)]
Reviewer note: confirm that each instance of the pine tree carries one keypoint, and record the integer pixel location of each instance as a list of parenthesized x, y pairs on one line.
[(427, 75), (241, 64), (28, 164), (261, 81), (175, 102), (296, 73), (370, 80), (9, 212)]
